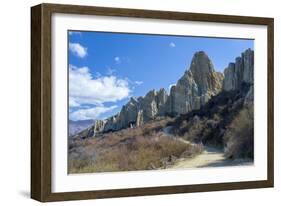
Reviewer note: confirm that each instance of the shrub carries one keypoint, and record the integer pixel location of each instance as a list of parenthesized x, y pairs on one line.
[(139, 148), (239, 136)]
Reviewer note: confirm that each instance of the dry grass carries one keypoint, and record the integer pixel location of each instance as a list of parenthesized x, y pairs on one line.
[(139, 148), (191, 130)]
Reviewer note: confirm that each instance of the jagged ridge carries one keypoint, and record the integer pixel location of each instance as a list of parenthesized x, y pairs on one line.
[(193, 90)]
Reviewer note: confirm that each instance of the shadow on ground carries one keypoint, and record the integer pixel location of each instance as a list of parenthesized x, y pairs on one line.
[(24, 193)]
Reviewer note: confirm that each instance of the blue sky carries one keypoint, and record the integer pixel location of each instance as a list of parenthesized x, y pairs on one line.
[(106, 69)]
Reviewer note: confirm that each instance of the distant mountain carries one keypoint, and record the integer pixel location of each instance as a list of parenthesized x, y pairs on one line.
[(77, 126)]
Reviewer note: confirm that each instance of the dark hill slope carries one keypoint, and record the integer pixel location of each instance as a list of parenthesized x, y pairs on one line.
[(226, 121)]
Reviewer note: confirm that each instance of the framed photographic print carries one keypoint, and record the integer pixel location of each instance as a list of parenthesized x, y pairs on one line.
[(132, 102)]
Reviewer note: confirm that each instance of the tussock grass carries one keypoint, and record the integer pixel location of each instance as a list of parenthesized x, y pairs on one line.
[(141, 148)]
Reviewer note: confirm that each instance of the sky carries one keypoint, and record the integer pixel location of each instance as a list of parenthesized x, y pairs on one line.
[(106, 69)]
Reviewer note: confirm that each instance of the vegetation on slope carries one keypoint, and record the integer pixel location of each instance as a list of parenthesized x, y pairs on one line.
[(141, 148), (225, 122), (239, 137)]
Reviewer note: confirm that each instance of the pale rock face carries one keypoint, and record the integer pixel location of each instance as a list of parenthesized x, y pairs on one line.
[(184, 91), (128, 114), (240, 71), (111, 123), (139, 118), (207, 79), (196, 86), (170, 103), (161, 99), (229, 77), (138, 111), (99, 126), (149, 105), (248, 60)]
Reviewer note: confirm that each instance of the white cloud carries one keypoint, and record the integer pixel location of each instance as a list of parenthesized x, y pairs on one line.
[(138, 82), (172, 44), (78, 49), (91, 113), (72, 102), (75, 32), (117, 60), (86, 89)]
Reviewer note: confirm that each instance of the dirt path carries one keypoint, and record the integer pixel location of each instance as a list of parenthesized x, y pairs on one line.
[(210, 157)]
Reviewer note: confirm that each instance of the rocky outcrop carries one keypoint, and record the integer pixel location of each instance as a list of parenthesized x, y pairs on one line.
[(112, 123), (193, 90), (128, 114), (97, 128), (148, 105), (204, 75), (161, 99), (240, 71), (196, 86), (138, 111)]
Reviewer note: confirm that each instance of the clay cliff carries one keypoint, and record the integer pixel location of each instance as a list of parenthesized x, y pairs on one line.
[(242, 70), (193, 90), (195, 87)]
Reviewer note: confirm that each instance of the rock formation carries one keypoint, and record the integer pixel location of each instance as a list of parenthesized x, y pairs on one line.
[(240, 71), (196, 86), (138, 111), (161, 99), (191, 92), (97, 128)]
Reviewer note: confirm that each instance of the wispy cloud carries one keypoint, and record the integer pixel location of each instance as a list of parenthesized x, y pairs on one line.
[(78, 50), (75, 32), (117, 60), (138, 82), (172, 45), (91, 113), (86, 89), (110, 71), (98, 75)]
